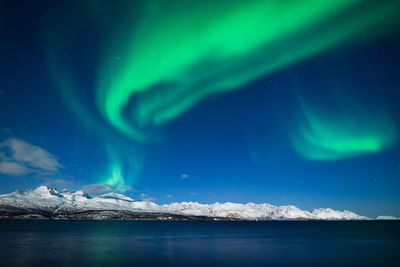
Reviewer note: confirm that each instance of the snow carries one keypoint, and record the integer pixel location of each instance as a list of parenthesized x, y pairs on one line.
[(251, 211), (50, 199), (386, 217), (330, 214)]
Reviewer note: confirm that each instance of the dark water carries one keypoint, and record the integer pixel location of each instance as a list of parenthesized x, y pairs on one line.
[(192, 243)]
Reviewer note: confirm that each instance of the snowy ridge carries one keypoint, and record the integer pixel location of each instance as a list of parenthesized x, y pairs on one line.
[(251, 211), (55, 202), (386, 217)]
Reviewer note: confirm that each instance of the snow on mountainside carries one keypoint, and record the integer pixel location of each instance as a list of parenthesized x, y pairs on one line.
[(386, 217), (251, 211), (330, 214), (49, 199), (45, 200)]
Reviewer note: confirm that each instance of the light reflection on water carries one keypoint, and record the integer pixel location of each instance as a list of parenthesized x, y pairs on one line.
[(138, 243)]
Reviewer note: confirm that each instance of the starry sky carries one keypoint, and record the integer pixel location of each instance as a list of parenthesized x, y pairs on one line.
[(285, 102)]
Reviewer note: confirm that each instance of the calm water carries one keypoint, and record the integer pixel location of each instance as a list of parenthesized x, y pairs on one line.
[(144, 243)]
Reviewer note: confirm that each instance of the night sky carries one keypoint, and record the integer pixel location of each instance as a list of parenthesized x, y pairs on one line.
[(285, 102)]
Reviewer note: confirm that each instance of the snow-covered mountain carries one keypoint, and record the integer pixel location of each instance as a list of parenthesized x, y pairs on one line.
[(251, 211), (386, 217), (45, 202)]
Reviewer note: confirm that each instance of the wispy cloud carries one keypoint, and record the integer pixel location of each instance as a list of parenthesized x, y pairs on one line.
[(184, 176), (13, 168), (58, 183), (169, 196), (146, 197), (19, 158), (99, 189)]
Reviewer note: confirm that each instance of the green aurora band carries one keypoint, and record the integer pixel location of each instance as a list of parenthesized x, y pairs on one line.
[(347, 132), (160, 58), (182, 51)]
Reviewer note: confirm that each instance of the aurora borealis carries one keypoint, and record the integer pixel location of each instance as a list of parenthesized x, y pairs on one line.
[(344, 133), (179, 52), (136, 94)]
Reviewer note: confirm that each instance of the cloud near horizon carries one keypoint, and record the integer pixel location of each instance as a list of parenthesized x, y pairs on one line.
[(99, 189), (145, 197), (20, 158), (57, 183), (13, 168)]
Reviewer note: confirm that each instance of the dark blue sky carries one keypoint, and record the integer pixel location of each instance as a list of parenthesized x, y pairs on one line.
[(319, 131)]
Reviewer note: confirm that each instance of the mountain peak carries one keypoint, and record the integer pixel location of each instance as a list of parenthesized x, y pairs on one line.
[(43, 189), (46, 190)]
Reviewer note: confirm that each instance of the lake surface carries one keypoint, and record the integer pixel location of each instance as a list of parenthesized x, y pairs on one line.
[(193, 243)]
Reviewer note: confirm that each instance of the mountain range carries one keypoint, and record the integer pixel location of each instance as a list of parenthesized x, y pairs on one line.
[(49, 203)]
